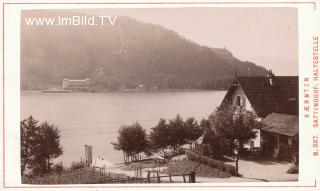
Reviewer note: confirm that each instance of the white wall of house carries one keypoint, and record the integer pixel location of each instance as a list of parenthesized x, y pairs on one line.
[(239, 92), (244, 100)]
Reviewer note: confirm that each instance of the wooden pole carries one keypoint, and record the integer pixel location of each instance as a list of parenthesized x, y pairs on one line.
[(158, 177), (192, 177)]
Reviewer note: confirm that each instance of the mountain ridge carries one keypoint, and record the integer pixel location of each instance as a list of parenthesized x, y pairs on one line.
[(122, 56)]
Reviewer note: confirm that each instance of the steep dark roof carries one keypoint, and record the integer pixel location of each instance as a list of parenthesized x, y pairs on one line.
[(281, 124), (280, 97)]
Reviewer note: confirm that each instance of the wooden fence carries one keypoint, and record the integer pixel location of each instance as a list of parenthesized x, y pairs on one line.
[(152, 177)]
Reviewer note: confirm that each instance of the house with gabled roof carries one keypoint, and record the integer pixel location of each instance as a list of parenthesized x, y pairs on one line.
[(272, 98), (265, 94)]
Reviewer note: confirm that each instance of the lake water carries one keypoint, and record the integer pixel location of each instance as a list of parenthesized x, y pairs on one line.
[(94, 118)]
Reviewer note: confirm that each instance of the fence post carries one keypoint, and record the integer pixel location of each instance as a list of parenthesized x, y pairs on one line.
[(184, 179), (158, 177), (148, 176), (193, 176)]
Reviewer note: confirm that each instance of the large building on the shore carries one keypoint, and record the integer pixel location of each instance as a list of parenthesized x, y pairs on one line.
[(76, 84)]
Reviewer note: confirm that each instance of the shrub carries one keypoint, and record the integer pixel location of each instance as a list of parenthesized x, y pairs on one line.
[(293, 170), (284, 153), (211, 162), (77, 165), (185, 166), (230, 169), (58, 167), (171, 154)]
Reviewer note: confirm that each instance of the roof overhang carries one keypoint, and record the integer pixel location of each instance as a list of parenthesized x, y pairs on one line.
[(281, 124)]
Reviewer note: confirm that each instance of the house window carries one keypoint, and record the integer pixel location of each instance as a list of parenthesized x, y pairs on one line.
[(241, 101), (238, 101)]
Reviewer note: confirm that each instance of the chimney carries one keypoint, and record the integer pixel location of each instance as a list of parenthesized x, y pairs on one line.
[(271, 77)]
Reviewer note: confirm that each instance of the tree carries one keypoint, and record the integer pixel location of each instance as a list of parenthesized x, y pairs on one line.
[(174, 134), (39, 144), (29, 130), (49, 148), (159, 137), (217, 141), (192, 129), (205, 124), (132, 139), (235, 123), (177, 134)]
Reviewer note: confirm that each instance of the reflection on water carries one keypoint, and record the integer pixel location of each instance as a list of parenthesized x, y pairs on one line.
[(94, 119)]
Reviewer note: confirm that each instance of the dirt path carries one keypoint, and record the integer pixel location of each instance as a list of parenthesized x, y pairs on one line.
[(269, 171)]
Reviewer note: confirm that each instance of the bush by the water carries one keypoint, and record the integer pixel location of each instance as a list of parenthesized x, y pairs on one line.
[(75, 165), (58, 168), (169, 155), (211, 162), (185, 166)]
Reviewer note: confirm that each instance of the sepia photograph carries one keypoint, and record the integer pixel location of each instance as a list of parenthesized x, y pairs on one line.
[(159, 95)]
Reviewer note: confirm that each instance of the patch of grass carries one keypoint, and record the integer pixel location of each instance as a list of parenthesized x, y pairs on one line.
[(80, 176), (211, 162), (143, 164), (75, 165), (185, 166)]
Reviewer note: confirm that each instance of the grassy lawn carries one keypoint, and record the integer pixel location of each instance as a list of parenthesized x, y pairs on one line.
[(185, 166), (143, 164), (80, 176)]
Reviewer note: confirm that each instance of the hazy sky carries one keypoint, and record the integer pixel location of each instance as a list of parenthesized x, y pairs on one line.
[(265, 36)]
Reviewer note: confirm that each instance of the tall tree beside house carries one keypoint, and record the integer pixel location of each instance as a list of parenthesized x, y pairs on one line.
[(214, 144), (235, 123), (132, 140), (205, 124), (39, 144), (218, 144)]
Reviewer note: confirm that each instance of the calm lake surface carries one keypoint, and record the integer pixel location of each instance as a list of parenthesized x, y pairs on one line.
[(94, 118)]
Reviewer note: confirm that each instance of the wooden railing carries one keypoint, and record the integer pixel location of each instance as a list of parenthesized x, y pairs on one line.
[(152, 177)]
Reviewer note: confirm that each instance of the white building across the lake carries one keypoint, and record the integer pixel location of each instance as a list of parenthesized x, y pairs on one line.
[(76, 84)]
